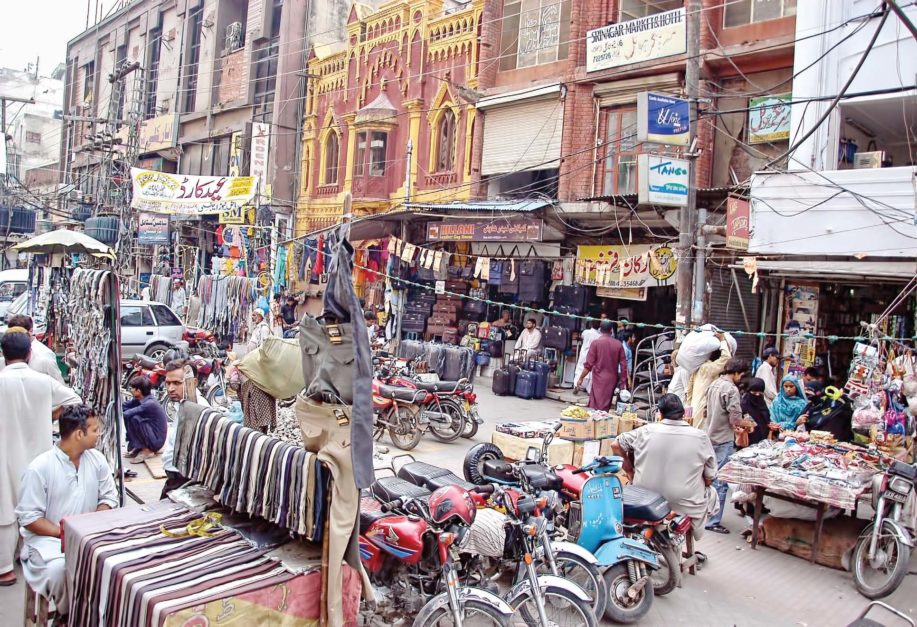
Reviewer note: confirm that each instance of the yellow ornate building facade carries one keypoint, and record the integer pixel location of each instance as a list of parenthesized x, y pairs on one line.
[(385, 120)]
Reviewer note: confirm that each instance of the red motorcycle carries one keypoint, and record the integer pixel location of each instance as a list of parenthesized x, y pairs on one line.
[(200, 342), (141, 365), (411, 556), (396, 409), (211, 380)]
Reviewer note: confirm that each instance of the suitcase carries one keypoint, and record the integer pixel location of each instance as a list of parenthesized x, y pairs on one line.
[(533, 281), (502, 382), (446, 307), (557, 338), (457, 286), (496, 271), (415, 323), (495, 348), (442, 318), (458, 363), (541, 370), (576, 297), (450, 336), (571, 324), (477, 307), (526, 382), (508, 285)]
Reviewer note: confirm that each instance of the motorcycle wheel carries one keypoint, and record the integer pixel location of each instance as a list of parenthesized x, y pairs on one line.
[(405, 434), (620, 607), (218, 397), (477, 614), (473, 466), (666, 578), (471, 427), (586, 575), (452, 431), (895, 554), (562, 608)]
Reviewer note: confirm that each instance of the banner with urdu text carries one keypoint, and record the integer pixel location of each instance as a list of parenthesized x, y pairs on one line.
[(190, 195)]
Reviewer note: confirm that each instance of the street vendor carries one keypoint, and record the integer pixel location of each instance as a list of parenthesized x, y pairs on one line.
[(674, 459), (69, 479), (829, 410)]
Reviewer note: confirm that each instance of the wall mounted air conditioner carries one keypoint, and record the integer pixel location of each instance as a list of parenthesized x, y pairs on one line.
[(868, 160), (233, 39)]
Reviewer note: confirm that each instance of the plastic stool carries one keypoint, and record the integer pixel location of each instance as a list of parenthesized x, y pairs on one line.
[(37, 609)]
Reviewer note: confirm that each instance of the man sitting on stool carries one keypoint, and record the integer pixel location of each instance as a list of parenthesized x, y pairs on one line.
[(69, 479)]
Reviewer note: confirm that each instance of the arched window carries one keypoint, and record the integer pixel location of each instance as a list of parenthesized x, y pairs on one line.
[(445, 151), (332, 156)]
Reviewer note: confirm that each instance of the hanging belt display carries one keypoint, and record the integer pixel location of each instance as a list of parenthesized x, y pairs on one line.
[(225, 304)]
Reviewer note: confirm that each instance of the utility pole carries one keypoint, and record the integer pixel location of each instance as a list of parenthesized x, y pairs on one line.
[(687, 223)]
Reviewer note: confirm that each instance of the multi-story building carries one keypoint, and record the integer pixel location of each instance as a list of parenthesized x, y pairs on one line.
[(33, 130), (389, 114), (209, 78)]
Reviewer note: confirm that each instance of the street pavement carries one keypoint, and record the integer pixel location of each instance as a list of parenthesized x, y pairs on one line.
[(738, 586)]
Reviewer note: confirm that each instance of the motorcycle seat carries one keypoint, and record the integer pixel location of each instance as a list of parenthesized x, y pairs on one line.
[(438, 386), (370, 512), (643, 504), (387, 489), (540, 477), (431, 477), (147, 362), (397, 393)]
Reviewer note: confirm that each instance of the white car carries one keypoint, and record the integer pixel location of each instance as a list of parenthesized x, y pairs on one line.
[(12, 284)]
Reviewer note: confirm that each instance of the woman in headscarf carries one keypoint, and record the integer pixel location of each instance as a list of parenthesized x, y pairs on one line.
[(789, 404), (754, 406), (828, 410)]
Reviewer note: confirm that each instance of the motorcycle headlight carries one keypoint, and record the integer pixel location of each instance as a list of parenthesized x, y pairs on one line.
[(899, 485)]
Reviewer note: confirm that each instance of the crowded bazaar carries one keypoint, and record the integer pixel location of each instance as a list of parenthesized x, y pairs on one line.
[(458, 313)]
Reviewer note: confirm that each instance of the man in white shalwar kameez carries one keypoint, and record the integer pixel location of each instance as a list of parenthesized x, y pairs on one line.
[(28, 399), (589, 336), (42, 358), (68, 479)]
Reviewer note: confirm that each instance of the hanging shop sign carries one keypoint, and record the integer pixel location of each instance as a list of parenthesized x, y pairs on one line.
[(662, 181), (769, 119), (153, 229), (662, 119), (622, 293), (633, 41), (800, 323), (190, 195), (157, 133), (738, 215), (632, 267), (260, 158), (236, 215), (235, 154), (499, 230)]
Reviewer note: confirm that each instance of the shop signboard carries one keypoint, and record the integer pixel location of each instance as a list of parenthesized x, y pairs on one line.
[(634, 41), (622, 293), (157, 133), (633, 267), (185, 194), (662, 181), (260, 158), (769, 119), (235, 215), (153, 229), (492, 230), (737, 223), (662, 119), (235, 154)]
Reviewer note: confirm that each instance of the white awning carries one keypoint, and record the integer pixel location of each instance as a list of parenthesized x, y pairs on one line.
[(828, 270)]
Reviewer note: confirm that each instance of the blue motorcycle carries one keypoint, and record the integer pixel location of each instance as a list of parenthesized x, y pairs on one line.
[(627, 562)]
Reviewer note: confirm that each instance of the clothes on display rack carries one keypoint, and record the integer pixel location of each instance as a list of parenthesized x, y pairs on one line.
[(254, 474), (160, 289), (225, 304)]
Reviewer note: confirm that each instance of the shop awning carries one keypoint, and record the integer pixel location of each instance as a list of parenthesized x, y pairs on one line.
[(815, 270), (711, 197), (484, 206)]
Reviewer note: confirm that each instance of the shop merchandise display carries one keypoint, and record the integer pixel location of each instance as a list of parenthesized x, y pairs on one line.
[(161, 289), (835, 474), (226, 304), (254, 474), (450, 363)]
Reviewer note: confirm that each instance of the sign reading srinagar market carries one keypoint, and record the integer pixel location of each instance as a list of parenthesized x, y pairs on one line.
[(662, 119), (646, 38)]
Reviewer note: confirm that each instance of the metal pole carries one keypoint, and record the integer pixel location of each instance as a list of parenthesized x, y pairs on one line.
[(407, 173), (700, 275), (687, 224), (908, 24)]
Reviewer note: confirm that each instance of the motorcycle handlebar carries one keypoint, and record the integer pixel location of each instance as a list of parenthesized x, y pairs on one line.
[(484, 489), (392, 505)]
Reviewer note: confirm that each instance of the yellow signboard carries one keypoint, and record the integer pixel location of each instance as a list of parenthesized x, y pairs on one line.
[(632, 266)]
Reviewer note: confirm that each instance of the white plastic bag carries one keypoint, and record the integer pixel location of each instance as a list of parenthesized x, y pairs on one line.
[(695, 349)]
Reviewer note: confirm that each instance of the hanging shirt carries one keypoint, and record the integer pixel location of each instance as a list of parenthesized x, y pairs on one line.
[(53, 488), (28, 398)]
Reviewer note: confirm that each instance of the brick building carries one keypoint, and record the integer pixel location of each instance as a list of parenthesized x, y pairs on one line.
[(405, 77)]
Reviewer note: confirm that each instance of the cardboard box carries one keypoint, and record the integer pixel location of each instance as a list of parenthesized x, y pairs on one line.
[(606, 449), (515, 448), (577, 429), (585, 452), (628, 423), (533, 429), (607, 427)]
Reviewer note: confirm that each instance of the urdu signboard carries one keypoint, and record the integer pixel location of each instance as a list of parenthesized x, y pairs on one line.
[(644, 39)]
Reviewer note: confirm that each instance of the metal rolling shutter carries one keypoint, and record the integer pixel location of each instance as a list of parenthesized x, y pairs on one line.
[(523, 135), (725, 307)]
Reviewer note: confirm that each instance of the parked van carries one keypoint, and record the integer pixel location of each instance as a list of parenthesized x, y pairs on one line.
[(12, 284)]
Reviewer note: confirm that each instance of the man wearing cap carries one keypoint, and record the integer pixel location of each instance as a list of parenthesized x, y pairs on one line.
[(674, 459), (179, 298), (767, 372)]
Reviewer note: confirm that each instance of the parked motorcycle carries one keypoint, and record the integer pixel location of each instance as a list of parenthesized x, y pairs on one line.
[(141, 365), (211, 380), (883, 551), (200, 342), (396, 409), (411, 556), (552, 557)]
